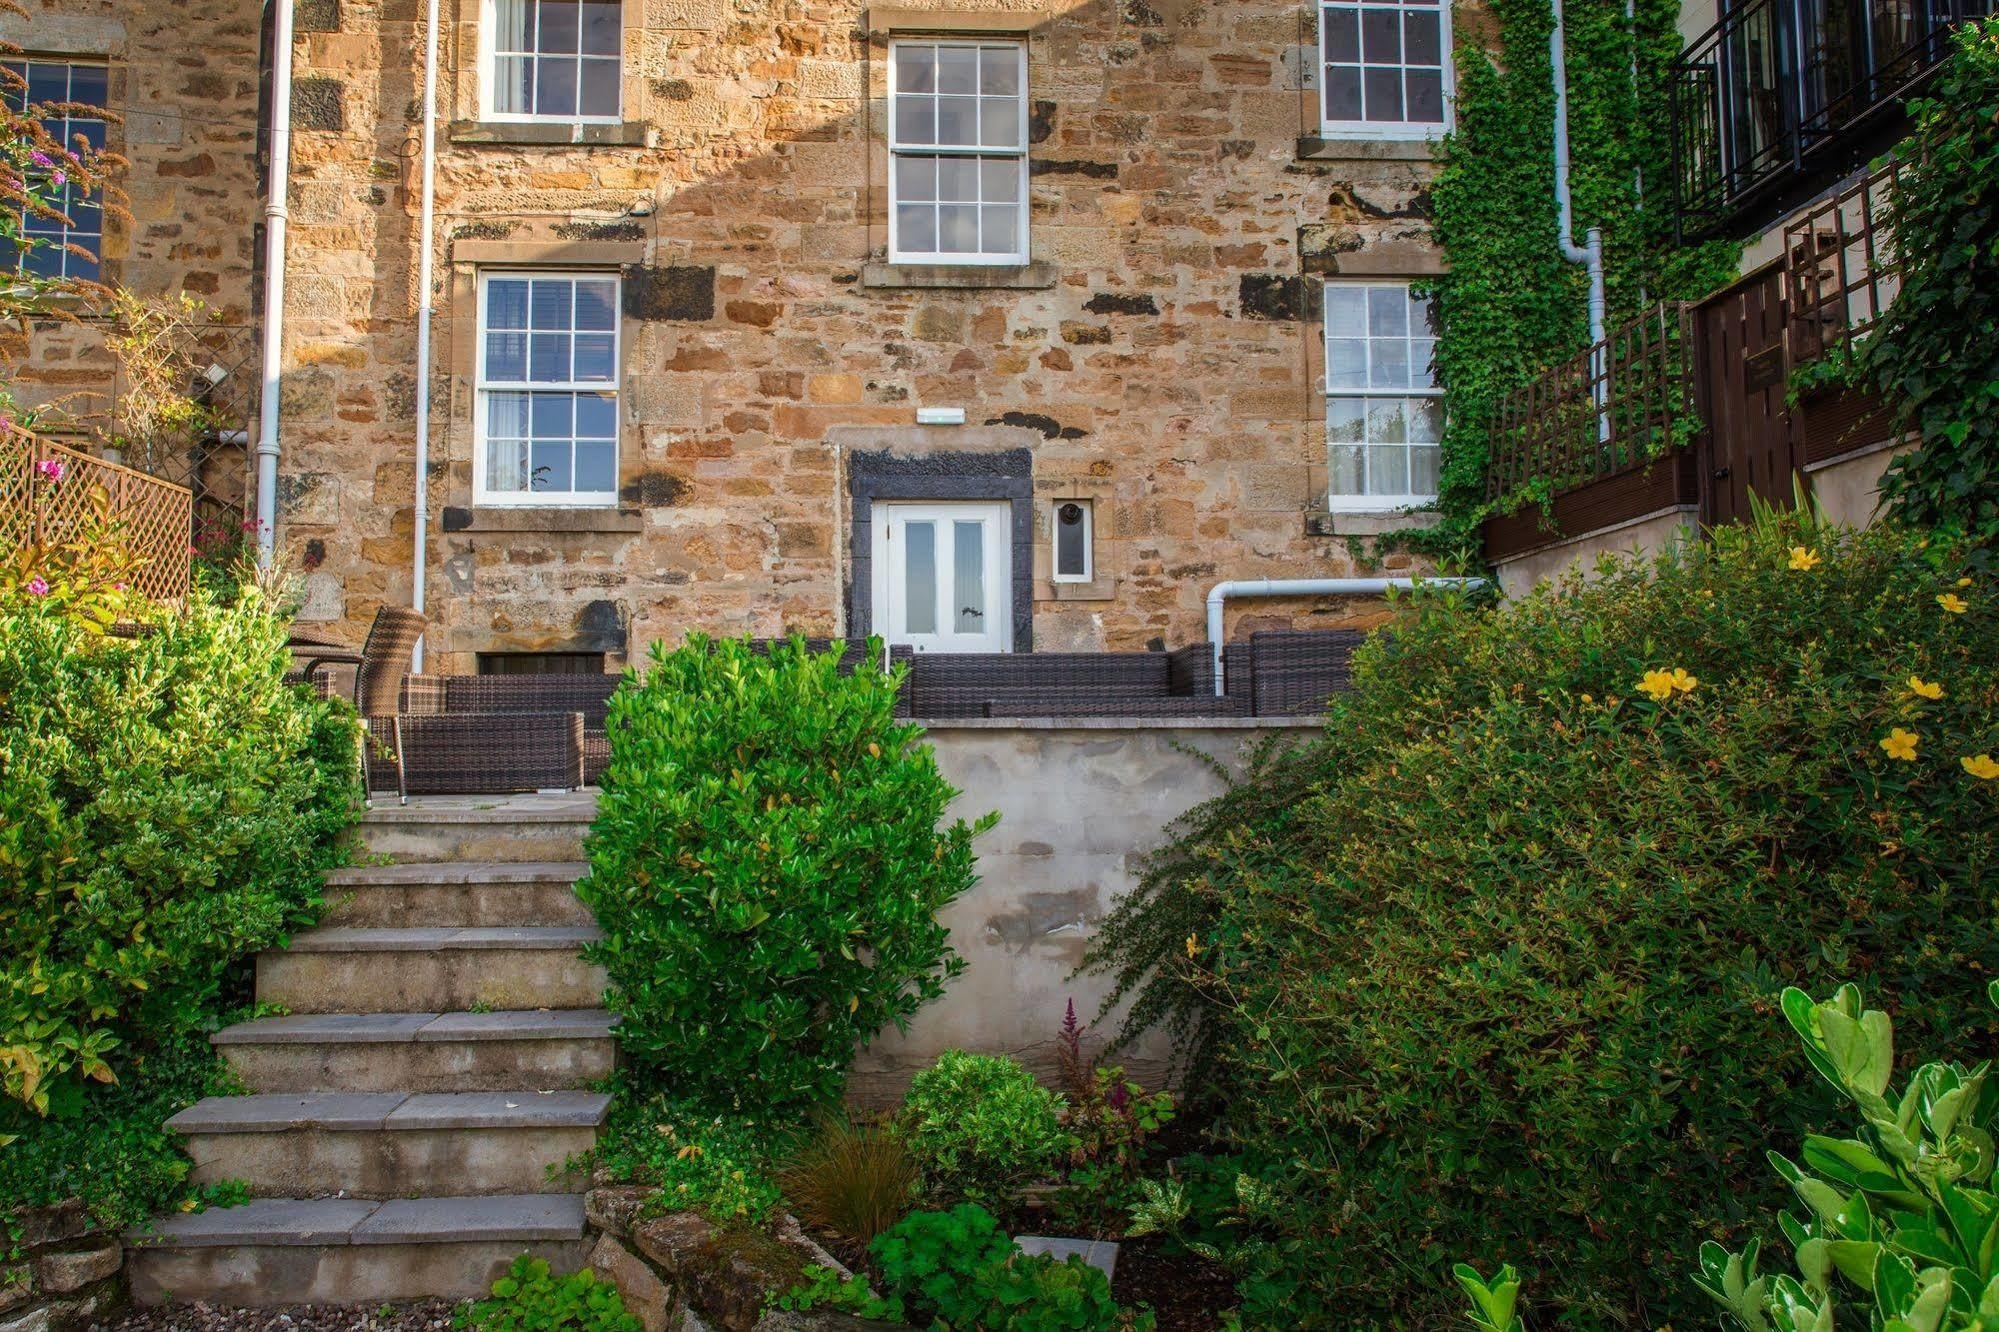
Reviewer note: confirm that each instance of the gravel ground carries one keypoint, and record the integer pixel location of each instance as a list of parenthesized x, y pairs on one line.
[(421, 1316)]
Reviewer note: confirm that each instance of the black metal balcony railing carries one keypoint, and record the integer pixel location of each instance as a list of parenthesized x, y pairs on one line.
[(1780, 93)]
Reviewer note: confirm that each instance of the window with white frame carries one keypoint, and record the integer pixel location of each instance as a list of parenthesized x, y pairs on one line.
[(49, 83), (547, 409), (553, 59), (1384, 411), (1387, 67), (1074, 559), (957, 152)]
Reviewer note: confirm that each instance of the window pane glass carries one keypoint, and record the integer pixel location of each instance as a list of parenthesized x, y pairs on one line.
[(548, 466), (957, 69), (555, 86), (916, 228), (1000, 181), (1342, 34), (1388, 363), (596, 416), (552, 415), (1346, 312), (1386, 423), (958, 229), (1346, 363), (1426, 420), (958, 121), (1348, 473), (1421, 43), (602, 30), (915, 178), (87, 85), (1423, 470), (510, 25), (507, 415), (1422, 370), (968, 572), (507, 465), (1381, 36), (1346, 420), (559, 25), (548, 358), (513, 85), (507, 303), (1072, 532), (1382, 91), (553, 303), (999, 122), (1001, 233), (919, 577), (1425, 103), (1388, 312), (596, 466), (596, 357), (599, 94), (915, 120), (915, 69), (999, 71), (1343, 92), (596, 303), (48, 81), (1388, 471), (958, 179), (507, 356)]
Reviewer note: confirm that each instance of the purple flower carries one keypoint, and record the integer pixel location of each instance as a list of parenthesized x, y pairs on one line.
[(41, 159), (38, 586), (50, 468), (59, 179)]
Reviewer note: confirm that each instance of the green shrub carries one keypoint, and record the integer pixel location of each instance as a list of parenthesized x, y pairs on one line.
[(929, 1262), (853, 1179), (167, 806), (767, 864), (980, 1127), (1492, 978), (1936, 351), (719, 1165), (529, 1299)]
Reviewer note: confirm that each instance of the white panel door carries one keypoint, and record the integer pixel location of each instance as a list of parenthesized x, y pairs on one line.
[(943, 576)]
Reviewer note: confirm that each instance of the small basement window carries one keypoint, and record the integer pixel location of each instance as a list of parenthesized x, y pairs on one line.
[(541, 663), (1074, 537)]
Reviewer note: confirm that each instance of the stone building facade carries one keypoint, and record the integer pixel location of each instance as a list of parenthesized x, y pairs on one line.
[(1155, 358)]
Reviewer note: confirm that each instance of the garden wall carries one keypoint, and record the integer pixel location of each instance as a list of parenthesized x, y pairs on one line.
[(1080, 800)]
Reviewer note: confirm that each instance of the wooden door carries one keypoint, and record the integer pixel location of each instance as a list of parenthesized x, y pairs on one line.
[(1745, 372)]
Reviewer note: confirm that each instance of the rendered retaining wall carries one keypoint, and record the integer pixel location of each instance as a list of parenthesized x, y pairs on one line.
[(1080, 801)]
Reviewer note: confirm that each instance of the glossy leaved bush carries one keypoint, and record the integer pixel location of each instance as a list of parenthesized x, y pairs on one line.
[(1936, 351), (167, 807), (721, 1165), (768, 860), (980, 1127), (1492, 975)]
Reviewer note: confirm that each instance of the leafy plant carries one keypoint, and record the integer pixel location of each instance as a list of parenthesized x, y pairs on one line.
[(154, 341), (980, 1127), (767, 862), (1161, 1208), (167, 806), (929, 1260), (1109, 1118), (1935, 352), (852, 1178), (530, 1298), (1493, 1302), (719, 1165), (85, 571), (1491, 969)]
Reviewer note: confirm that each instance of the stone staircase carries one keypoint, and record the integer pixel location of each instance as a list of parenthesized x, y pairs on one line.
[(410, 1118)]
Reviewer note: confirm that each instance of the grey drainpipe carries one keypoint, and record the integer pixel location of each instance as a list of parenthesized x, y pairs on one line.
[(1219, 594), (276, 213)]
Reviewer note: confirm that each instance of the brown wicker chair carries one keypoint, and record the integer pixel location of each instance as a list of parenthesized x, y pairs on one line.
[(378, 684)]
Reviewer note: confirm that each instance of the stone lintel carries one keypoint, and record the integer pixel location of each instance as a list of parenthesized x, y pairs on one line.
[(1313, 148), (540, 133), (1037, 276)]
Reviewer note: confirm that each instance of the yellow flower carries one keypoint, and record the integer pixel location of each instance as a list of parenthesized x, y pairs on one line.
[(1980, 766), (1804, 559), (1901, 744), (1922, 688), (1953, 603), (1683, 682), (1964, 582), (1659, 684), (1193, 946)]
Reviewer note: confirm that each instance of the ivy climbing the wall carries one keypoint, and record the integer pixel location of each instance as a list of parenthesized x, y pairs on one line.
[(1509, 304)]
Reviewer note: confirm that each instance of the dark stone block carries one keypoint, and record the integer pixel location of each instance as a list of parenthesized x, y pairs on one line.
[(601, 231), (456, 520), (316, 16), (316, 105), (1049, 427), (1089, 170), (1040, 122), (653, 490), (483, 231), (673, 90), (1274, 297), (655, 294), (1126, 303), (600, 627)]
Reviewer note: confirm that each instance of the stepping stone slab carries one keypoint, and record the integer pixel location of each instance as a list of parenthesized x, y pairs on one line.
[(338, 1112), (286, 1221), (1100, 1254), (520, 1218), (422, 1052)]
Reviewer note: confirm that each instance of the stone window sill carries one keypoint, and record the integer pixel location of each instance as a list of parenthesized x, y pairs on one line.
[(1312, 148), (1367, 522), (554, 134), (543, 520), (1102, 588), (1037, 276)]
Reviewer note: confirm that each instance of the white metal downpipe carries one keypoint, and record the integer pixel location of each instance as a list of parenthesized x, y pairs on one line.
[(1219, 594), (1590, 253), (425, 303), (276, 214)]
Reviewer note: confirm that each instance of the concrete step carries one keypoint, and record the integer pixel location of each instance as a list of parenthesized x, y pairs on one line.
[(351, 1251), (421, 1052), (393, 1144), (482, 828), (431, 969), (475, 893)]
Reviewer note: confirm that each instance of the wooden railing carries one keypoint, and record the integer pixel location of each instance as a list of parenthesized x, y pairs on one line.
[(1841, 265), (46, 496), (1625, 401)]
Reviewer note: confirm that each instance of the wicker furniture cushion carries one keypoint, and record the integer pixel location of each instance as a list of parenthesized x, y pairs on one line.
[(479, 753)]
